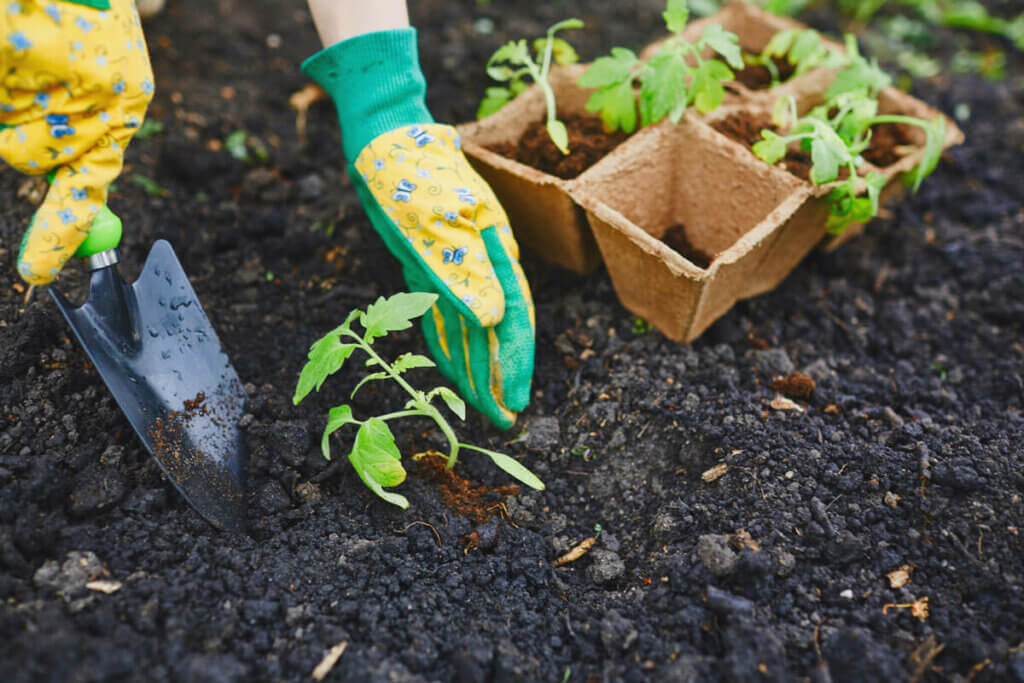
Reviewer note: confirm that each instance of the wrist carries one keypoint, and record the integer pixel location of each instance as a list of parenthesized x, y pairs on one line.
[(376, 83)]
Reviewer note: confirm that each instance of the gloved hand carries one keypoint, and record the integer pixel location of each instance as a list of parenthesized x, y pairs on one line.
[(75, 82), (437, 216)]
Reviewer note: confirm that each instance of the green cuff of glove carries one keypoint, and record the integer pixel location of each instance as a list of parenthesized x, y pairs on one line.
[(95, 4), (376, 84)]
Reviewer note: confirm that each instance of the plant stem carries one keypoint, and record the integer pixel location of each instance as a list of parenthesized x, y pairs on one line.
[(453, 442), (896, 118), (417, 395), (401, 413)]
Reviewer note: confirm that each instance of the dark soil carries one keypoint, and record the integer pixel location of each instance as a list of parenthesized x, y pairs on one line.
[(745, 128), (677, 238), (907, 452), (589, 142), (890, 142), (756, 77)]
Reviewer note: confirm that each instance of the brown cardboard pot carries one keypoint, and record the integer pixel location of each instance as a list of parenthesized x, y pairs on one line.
[(540, 208), (755, 219)]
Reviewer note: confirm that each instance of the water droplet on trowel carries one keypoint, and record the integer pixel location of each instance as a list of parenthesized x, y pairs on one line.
[(162, 301), (179, 301), (165, 354), (153, 332)]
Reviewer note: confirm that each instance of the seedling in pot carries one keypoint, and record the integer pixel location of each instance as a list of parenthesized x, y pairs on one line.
[(802, 48), (677, 76), (835, 134), (512, 62), (374, 455)]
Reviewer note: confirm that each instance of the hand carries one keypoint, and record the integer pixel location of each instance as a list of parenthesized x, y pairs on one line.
[(447, 228), (77, 82), (437, 216)]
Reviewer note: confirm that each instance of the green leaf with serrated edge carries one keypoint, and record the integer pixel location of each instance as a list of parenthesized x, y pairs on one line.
[(559, 135), (935, 135), (338, 417), (825, 161), (510, 466), (780, 43), (514, 52), (616, 105), (377, 461), (662, 86), (771, 148), (453, 401), (372, 377), (325, 358), (609, 71), (408, 361), (493, 101), (707, 85), (395, 313), (725, 43), (676, 15)]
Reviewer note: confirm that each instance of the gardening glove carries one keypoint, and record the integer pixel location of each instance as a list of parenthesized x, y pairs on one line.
[(75, 81), (437, 216)]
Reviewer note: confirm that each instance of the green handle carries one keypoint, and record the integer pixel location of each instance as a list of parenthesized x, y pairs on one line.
[(105, 234)]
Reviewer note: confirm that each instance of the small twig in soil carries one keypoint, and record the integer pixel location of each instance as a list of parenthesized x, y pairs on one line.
[(959, 545), (29, 293), (576, 553), (923, 656), (978, 668), (331, 658), (429, 526)]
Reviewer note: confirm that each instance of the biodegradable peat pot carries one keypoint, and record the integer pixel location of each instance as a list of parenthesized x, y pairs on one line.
[(896, 149), (754, 222), (541, 211)]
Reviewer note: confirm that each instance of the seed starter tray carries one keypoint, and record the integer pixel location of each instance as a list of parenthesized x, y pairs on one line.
[(757, 221)]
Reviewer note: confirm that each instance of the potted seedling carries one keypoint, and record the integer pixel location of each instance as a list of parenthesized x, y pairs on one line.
[(689, 221), (373, 454)]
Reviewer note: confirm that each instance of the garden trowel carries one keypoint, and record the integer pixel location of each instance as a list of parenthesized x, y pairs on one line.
[(162, 361)]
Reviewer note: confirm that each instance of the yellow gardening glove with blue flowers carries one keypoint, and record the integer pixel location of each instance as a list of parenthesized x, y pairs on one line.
[(75, 82), (437, 216)]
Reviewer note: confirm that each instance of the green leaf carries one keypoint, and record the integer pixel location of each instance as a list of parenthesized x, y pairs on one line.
[(501, 72), (408, 361), (771, 148), (395, 313), (325, 358), (514, 52), (875, 183), (676, 15), (338, 417), (707, 85), (149, 128), (235, 145), (559, 135), (935, 136), (826, 162), (494, 99), (725, 43), (566, 24), (609, 71), (453, 401), (377, 461), (804, 45), (662, 87), (373, 376), (148, 185), (617, 106), (780, 43), (510, 466), (561, 51)]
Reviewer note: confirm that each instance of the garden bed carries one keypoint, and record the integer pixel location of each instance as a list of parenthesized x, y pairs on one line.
[(744, 537)]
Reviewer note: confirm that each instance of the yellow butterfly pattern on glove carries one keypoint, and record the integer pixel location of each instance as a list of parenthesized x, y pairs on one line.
[(424, 184), (75, 82)]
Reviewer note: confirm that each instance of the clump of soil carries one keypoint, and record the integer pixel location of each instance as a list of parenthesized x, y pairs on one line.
[(757, 77), (677, 238), (795, 385), (889, 144), (588, 143), (478, 503)]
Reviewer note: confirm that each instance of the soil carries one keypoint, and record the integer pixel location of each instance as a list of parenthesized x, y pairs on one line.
[(745, 128), (906, 454), (756, 77), (676, 238), (589, 142), (890, 142)]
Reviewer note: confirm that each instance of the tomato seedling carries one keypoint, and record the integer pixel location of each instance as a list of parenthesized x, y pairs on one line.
[(512, 62), (374, 454), (678, 75)]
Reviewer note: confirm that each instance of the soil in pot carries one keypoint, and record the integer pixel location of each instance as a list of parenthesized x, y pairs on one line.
[(677, 238), (588, 143), (745, 128), (757, 77), (890, 142)]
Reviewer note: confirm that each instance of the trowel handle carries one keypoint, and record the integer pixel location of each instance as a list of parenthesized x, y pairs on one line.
[(104, 235)]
